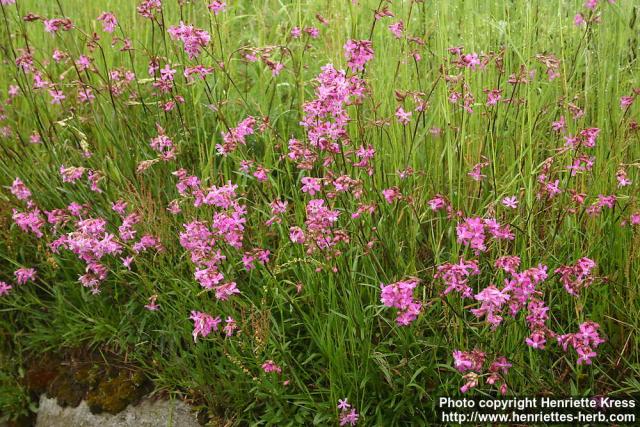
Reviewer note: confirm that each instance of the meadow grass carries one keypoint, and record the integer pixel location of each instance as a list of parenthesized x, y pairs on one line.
[(317, 313)]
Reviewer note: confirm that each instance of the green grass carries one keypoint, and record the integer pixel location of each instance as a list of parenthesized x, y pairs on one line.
[(334, 339)]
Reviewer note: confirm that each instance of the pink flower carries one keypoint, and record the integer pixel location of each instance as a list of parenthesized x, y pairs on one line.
[(510, 202), (468, 361), (313, 32), (626, 101), (559, 125), (588, 137), (83, 62), (230, 326), (585, 341), (147, 8), (507, 263), (493, 96), (311, 185), (296, 234), (471, 381), (578, 276), (404, 117), (30, 221), (127, 262), (456, 276), (146, 242), (271, 366), (391, 194), (319, 233), (343, 404), (476, 171), (397, 29), (13, 91), (261, 174), (193, 39), (71, 174), (276, 67), (348, 415), (492, 300), (578, 20), (57, 24), (623, 180), (58, 55), (223, 292), (438, 203), (217, 6), (203, 323), (109, 22), (236, 136), (473, 232), (5, 288), (591, 4), (57, 96), (358, 53), (20, 190), (24, 275), (119, 206), (536, 340), (470, 60), (163, 145), (152, 306), (350, 418), (400, 296)]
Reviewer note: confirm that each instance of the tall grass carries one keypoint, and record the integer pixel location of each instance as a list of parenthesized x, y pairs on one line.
[(318, 314)]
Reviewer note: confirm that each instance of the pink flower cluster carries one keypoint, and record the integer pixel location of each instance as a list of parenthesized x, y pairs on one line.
[(24, 275), (439, 202), (88, 238), (109, 22), (326, 117), (466, 60), (585, 341), (193, 39), (204, 324), (586, 138), (319, 232), (492, 299), (20, 190), (348, 414), (601, 202), (163, 145), (91, 242), (5, 288), (358, 53), (31, 220), (217, 6), (201, 240), (236, 136), (578, 276), (148, 8), (400, 296), (271, 366), (472, 365), (456, 276), (473, 232), (56, 24)]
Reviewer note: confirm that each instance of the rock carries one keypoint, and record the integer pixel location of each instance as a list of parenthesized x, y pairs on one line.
[(149, 413)]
